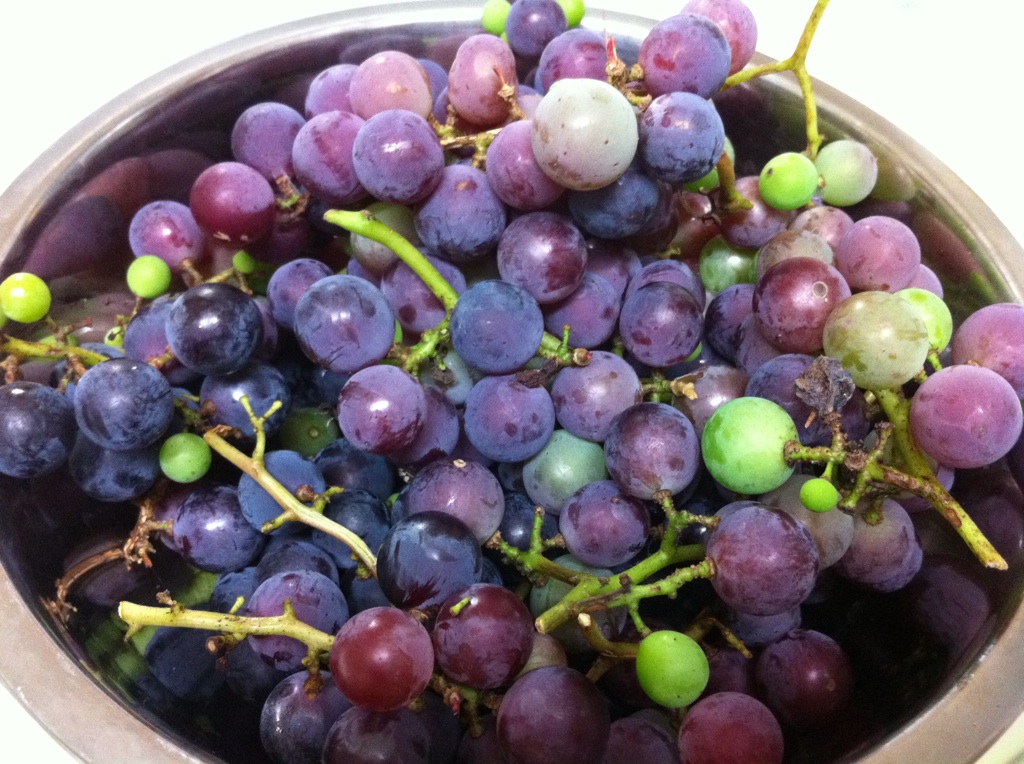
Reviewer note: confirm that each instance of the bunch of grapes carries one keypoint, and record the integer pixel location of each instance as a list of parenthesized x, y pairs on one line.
[(505, 411)]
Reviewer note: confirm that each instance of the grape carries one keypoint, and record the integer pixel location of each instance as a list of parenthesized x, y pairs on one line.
[(849, 170), (652, 447), (532, 24), (765, 561), (602, 526), (616, 263), (262, 383), (108, 475), (790, 244), (660, 323), (753, 228), (730, 727), (553, 714), (345, 465), (934, 313), (681, 138), (819, 495), (232, 202), (761, 630), (185, 457), (591, 313), (146, 337), (572, 54), (381, 409), (506, 420), (742, 445), (496, 326), (966, 431), (388, 81), (425, 558), (167, 230), (714, 385), (438, 436), (723, 265), (212, 533), (343, 323), (148, 276), (494, 14), (565, 464), (617, 210), (830, 223), (37, 429), (517, 521), (262, 138), (292, 555), (513, 172), (793, 300), (398, 157), (316, 600), (416, 307), (672, 668), (685, 52), (724, 317), (584, 133), (483, 636), (381, 659), (878, 338), (288, 283), (362, 513), (737, 23), (879, 253), (788, 181), (361, 736), (214, 328), (806, 678), (463, 219), (24, 297), (123, 404), (322, 157), (641, 737), (990, 337), (329, 90), (884, 553), (466, 490), (544, 253), (668, 270), (180, 662), (288, 468), (294, 725), (483, 65)]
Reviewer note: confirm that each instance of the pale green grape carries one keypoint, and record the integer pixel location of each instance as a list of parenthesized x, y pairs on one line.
[(934, 312), (849, 170), (494, 14), (743, 442), (672, 668), (722, 265), (148, 276), (788, 181), (562, 467), (24, 297)]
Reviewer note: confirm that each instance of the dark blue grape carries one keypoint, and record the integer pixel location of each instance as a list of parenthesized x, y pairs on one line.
[(37, 429), (295, 554), (293, 725), (462, 219), (179, 660), (681, 138), (232, 585), (289, 282), (113, 475), (290, 469), (123, 404), (617, 210), (362, 513), (214, 328), (262, 383), (212, 533), (344, 465), (496, 326)]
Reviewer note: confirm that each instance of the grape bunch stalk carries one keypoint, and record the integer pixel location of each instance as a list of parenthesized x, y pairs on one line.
[(521, 409)]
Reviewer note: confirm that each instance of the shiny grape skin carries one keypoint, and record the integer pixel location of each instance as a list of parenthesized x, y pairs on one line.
[(483, 636), (262, 138), (123, 404), (261, 382), (294, 726), (602, 526), (730, 728), (295, 554), (462, 219), (382, 659), (381, 409), (233, 202), (792, 301), (990, 337), (553, 714), (652, 447), (214, 328), (212, 533), (427, 557), (464, 489), (397, 157), (506, 420), (368, 737), (289, 468), (37, 429), (544, 253), (362, 513), (342, 464), (687, 53), (661, 323), (108, 475), (496, 326), (591, 313), (289, 282)]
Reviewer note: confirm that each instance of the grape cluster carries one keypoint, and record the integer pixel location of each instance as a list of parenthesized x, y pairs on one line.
[(578, 352)]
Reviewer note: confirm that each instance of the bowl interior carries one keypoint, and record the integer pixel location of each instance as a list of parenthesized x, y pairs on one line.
[(66, 218)]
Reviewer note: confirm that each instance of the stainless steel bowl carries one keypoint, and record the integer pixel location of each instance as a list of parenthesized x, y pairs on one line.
[(52, 671)]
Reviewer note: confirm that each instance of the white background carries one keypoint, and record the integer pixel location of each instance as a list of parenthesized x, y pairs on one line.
[(944, 71)]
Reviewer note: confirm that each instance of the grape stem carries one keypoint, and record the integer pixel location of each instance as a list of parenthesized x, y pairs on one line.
[(294, 510), (237, 627), (601, 643), (796, 63), (25, 350)]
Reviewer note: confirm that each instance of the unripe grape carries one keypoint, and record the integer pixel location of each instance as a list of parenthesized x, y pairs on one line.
[(819, 495), (149, 276), (743, 445), (672, 668), (788, 181), (24, 297)]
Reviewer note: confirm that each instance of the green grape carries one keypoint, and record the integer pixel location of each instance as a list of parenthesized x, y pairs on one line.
[(24, 297), (149, 276), (494, 14), (743, 442), (3, 319), (819, 495), (114, 337), (562, 467), (244, 263), (934, 312), (308, 431), (574, 11), (710, 181), (185, 457), (849, 170), (878, 338), (722, 265), (788, 181), (672, 668)]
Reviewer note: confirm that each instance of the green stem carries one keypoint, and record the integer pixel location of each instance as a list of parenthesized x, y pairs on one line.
[(897, 409), (364, 224), (294, 510), (26, 350), (285, 625)]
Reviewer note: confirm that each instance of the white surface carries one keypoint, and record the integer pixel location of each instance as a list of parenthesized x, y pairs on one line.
[(943, 71)]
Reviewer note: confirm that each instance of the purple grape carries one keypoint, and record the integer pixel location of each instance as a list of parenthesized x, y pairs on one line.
[(322, 157), (145, 337), (343, 323), (603, 526), (397, 157), (262, 138), (293, 725), (793, 300), (737, 23), (387, 81), (681, 138), (292, 555), (381, 409), (214, 328), (753, 228), (262, 383), (724, 317), (513, 172), (369, 737), (123, 404), (507, 421), (463, 219), (438, 436), (416, 307), (660, 324), (466, 490), (108, 475), (544, 253), (761, 630), (587, 398), (37, 429), (990, 337), (613, 261), (672, 271), (290, 469), (532, 24), (288, 283), (878, 253), (685, 52), (641, 738), (652, 447), (591, 313), (885, 553), (714, 385), (730, 727), (329, 90), (213, 534), (574, 53), (233, 203), (765, 561), (496, 326), (483, 64), (343, 464), (168, 230)]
